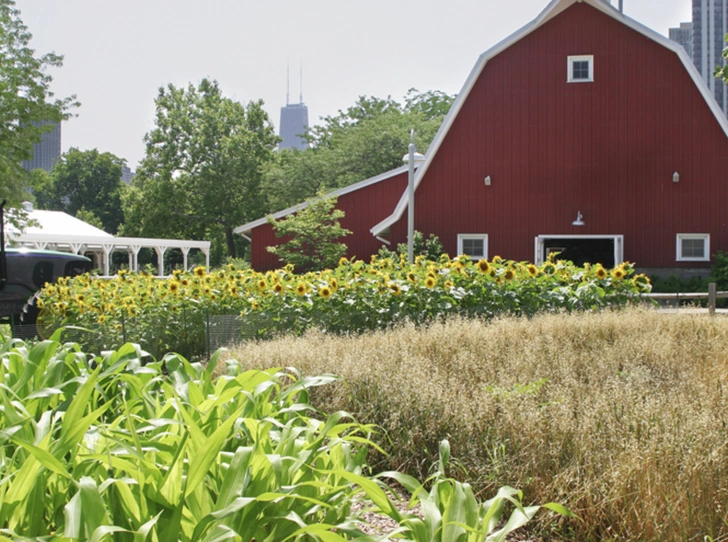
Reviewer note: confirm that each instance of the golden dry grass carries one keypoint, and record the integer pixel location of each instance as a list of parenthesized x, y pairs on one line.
[(622, 416)]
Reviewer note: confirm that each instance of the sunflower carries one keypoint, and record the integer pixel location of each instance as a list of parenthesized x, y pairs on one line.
[(444, 258), (483, 266), (395, 289), (618, 273), (325, 292), (532, 269), (278, 288), (343, 261), (334, 284), (600, 272), (262, 285), (510, 274), (173, 286), (430, 281), (199, 271), (448, 285), (254, 305), (101, 319), (549, 268), (301, 288), (411, 277), (497, 259)]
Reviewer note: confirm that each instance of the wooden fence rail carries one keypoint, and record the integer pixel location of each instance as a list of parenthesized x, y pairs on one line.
[(712, 295)]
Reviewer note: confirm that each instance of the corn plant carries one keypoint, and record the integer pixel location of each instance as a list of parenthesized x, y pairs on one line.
[(106, 446), (450, 510)]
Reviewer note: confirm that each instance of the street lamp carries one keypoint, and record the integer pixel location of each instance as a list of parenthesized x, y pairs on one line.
[(411, 158)]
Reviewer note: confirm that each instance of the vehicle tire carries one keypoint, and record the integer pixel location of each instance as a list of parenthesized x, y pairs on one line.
[(28, 318)]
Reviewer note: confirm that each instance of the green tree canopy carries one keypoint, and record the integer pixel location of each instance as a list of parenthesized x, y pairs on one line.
[(25, 101), (367, 139), (313, 236), (201, 176), (88, 181)]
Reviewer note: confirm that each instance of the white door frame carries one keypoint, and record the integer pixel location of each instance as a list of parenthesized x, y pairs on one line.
[(618, 245)]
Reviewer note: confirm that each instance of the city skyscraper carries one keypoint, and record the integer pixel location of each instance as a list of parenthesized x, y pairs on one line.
[(710, 25), (684, 36), (294, 121), (47, 151)]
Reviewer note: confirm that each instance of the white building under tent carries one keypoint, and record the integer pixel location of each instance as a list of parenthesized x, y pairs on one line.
[(56, 230)]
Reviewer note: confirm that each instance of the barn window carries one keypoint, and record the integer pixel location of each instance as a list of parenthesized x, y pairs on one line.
[(580, 69), (693, 247), (474, 245)]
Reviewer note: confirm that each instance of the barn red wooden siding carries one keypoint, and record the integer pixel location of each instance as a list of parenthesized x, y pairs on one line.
[(606, 148), (364, 208)]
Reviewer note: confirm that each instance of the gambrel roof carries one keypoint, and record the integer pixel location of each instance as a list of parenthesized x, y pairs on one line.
[(552, 10)]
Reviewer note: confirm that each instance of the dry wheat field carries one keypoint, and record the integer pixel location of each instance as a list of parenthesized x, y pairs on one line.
[(622, 416)]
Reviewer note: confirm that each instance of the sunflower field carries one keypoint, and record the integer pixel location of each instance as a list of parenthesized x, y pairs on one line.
[(356, 296)]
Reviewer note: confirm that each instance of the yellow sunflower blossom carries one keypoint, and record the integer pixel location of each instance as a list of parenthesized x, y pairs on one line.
[(301, 288), (600, 272), (483, 266), (101, 319), (510, 274), (325, 292), (394, 288), (343, 261), (430, 281), (262, 285), (618, 273), (199, 271), (173, 286), (278, 287), (411, 277), (532, 269)]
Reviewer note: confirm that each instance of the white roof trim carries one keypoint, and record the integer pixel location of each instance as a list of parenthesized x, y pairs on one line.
[(553, 9), (247, 228)]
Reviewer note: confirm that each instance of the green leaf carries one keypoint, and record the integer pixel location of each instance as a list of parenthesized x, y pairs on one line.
[(206, 456)]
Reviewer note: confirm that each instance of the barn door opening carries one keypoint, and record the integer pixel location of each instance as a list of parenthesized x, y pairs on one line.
[(581, 249)]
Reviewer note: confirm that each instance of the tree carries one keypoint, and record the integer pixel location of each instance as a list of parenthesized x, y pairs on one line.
[(25, 101), (88, 181), (201, 176), (367, 139), (313, 234)]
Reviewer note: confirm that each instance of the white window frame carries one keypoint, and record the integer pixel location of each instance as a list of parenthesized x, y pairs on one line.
[(705, 237), (570, 60), (538, 257), (483, 236)]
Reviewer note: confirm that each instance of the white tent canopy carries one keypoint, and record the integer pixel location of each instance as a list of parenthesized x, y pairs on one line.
[(55, 230)]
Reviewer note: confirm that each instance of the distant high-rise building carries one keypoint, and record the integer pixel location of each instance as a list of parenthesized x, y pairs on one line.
[(684, 36), (126, 174), (47, 151), (710, 25), (294, 121)]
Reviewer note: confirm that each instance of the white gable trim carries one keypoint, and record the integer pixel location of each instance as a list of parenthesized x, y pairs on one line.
[(247, 228), (551, 11)]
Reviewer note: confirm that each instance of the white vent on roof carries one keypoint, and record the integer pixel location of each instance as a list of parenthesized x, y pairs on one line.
[(28, 206)]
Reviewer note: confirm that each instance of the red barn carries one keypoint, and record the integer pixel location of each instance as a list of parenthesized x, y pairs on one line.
[(584, 132)]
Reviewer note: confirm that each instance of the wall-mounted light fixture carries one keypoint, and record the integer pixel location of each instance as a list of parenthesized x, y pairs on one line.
[(487, 180), (578, 221), (676, 177)]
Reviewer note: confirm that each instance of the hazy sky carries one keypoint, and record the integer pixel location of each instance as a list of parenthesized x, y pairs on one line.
[(119, 52)]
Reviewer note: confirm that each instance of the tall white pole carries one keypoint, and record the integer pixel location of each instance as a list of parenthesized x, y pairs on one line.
[(411, 203)]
